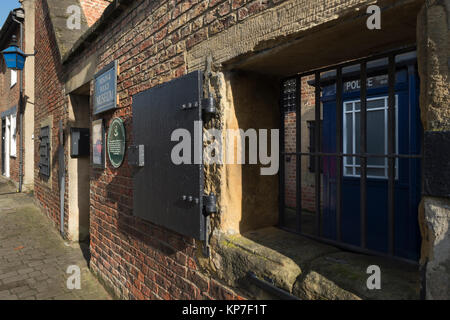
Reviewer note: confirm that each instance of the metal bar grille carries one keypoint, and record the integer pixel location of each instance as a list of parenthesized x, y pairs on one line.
[(339, 166), (289, 103), (357, 61), (363, 148), (318, 155), (367, 155), (298, 158), (391, 149), (281, 196)]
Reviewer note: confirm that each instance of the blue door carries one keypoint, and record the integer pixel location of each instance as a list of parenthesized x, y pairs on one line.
[(407, 182)]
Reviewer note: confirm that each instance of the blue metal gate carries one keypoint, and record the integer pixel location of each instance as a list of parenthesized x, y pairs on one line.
[(407, 173), (369, 152)]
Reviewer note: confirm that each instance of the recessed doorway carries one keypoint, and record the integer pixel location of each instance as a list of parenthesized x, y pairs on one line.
[(78, 164)]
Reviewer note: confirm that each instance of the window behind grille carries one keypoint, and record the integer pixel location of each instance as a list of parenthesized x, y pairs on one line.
[(311, 148), (44, 152), (371, 129)]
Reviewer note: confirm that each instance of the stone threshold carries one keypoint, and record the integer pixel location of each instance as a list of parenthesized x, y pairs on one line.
[(308, 269)]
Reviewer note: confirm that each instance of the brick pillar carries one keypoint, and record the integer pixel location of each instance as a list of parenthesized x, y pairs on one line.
[(28, 117)]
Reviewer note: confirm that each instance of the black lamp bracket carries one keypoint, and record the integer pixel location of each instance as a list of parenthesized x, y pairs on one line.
[(30, 54)]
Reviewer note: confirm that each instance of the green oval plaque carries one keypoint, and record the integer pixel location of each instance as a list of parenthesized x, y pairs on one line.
[(116, 142)]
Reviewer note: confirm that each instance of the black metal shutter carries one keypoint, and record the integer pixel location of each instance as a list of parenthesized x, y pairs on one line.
[(44, 152), (164, 193)]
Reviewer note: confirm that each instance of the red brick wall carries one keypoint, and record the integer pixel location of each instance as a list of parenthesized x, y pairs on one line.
[(9, 98), (49, 101), (290, 189), (308, 190), (137, 259), (93, 9)]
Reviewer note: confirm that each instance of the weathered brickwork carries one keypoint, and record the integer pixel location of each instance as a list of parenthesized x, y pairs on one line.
[(49, 109), (136, 259), (290, 131), (150, 41), (140, 260), (93, 9)]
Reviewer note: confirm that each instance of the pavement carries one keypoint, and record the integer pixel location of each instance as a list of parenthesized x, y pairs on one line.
[(35, 259)]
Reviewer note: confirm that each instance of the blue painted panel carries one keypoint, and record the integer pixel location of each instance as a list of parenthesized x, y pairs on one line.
[(407, 187), (105, 89)]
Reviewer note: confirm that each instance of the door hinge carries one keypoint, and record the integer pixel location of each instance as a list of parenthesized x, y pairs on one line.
[(209, 207), (209, 204), (209, 105)]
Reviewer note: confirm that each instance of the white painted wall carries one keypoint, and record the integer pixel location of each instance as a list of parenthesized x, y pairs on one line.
[(7, 145)]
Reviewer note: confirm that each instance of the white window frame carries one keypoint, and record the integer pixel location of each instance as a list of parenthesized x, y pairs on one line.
[(13, 144), (353, 111), (7, 142), (13, 78)]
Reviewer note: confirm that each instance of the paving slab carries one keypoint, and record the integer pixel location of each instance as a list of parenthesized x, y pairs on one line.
[(34, 257)]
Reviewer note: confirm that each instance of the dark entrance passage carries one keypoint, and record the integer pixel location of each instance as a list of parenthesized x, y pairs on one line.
[(78, 165), (361, 186)]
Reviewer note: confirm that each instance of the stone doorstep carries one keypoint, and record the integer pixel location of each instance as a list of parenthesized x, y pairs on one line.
[(7, 185), (308, 269)]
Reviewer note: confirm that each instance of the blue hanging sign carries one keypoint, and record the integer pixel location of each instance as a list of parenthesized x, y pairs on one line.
[(105, 88)]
